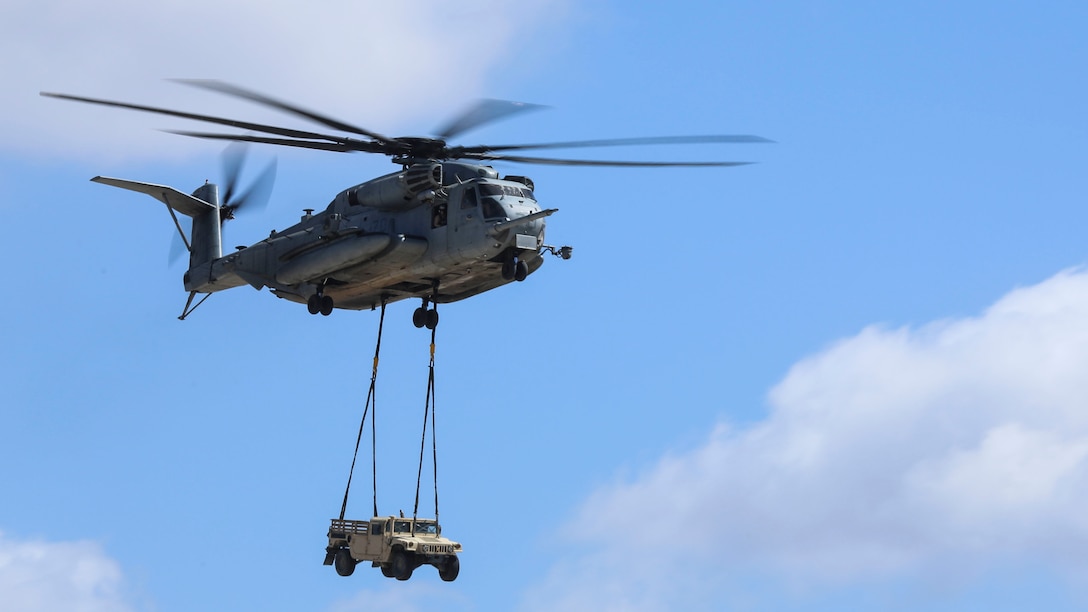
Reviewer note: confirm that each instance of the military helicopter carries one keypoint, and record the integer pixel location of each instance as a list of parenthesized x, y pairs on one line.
[(442, 228)]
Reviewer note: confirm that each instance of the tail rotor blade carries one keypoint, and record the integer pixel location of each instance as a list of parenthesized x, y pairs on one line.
[(233, 158), (257, 195), (177, 249)]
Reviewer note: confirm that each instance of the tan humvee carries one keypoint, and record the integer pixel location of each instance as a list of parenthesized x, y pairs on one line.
[(397, 545)]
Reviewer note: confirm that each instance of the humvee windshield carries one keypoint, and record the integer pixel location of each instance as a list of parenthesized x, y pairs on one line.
[(421, 527)]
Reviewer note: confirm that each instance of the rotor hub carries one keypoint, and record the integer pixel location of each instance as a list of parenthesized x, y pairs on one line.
[(412, 147)]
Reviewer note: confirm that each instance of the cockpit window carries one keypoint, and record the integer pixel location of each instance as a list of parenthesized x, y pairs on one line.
[(488, 189), (492, 209), (468, 198)]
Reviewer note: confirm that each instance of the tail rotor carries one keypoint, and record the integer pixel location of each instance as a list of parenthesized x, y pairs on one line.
[(255, 197)]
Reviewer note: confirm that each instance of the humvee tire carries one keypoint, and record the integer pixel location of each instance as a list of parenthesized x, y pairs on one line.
[(402, 566), (345, 565), (450, 569)]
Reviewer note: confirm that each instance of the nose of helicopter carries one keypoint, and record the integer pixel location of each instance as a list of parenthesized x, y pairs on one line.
[(533, 228), (524, 229)]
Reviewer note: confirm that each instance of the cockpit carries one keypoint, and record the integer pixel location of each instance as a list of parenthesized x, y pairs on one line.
[(493, 194), (495, 201)]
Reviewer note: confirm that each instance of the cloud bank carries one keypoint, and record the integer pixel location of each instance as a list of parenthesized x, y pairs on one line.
[(942, 451), (40, 576), (369, 63)]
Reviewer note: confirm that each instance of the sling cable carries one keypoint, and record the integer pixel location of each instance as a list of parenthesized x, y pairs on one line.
[(395, 545)]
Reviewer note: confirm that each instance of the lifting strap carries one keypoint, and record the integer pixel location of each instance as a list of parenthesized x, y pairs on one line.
[(428, 410), (371, 401)]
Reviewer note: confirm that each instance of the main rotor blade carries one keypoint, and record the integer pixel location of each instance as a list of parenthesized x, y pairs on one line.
[(246, 94), (347, 146), (623, 142), (595, 162), (245, 125), (484, 111)]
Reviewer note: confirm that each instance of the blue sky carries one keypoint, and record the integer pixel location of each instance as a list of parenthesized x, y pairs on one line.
[(847, 377)]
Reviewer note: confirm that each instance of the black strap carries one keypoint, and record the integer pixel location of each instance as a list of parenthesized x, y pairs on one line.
[(428, 411), (371, 399)]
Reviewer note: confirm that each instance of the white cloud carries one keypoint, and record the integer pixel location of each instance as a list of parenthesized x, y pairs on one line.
[(940, 451), (370, 63), (39, 576)]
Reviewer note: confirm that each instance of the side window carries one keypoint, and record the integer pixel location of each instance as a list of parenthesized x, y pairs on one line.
[(438, 216), (468, 198), (492, 210), (376, 528)]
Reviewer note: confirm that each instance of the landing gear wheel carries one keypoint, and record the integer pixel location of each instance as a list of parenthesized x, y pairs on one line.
[(521, 270), (419, 317), (432, 319), (343, 562), (450, 569), (509, 269), (326, 305), (402, 567), (314, 304)]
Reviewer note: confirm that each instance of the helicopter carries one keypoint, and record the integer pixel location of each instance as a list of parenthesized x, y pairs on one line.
[(442, 228)]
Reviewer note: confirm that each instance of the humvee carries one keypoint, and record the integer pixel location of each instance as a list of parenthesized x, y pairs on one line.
[(397, 545)]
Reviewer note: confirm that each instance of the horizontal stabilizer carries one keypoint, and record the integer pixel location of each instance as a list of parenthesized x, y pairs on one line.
[(181, 202)]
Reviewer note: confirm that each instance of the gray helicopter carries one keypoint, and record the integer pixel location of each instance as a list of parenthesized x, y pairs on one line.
[(442, 228)]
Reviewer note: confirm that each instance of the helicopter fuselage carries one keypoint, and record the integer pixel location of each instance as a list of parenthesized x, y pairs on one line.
[(438, 231)]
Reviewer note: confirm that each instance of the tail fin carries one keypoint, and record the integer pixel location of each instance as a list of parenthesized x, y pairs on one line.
[(202, 206)]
